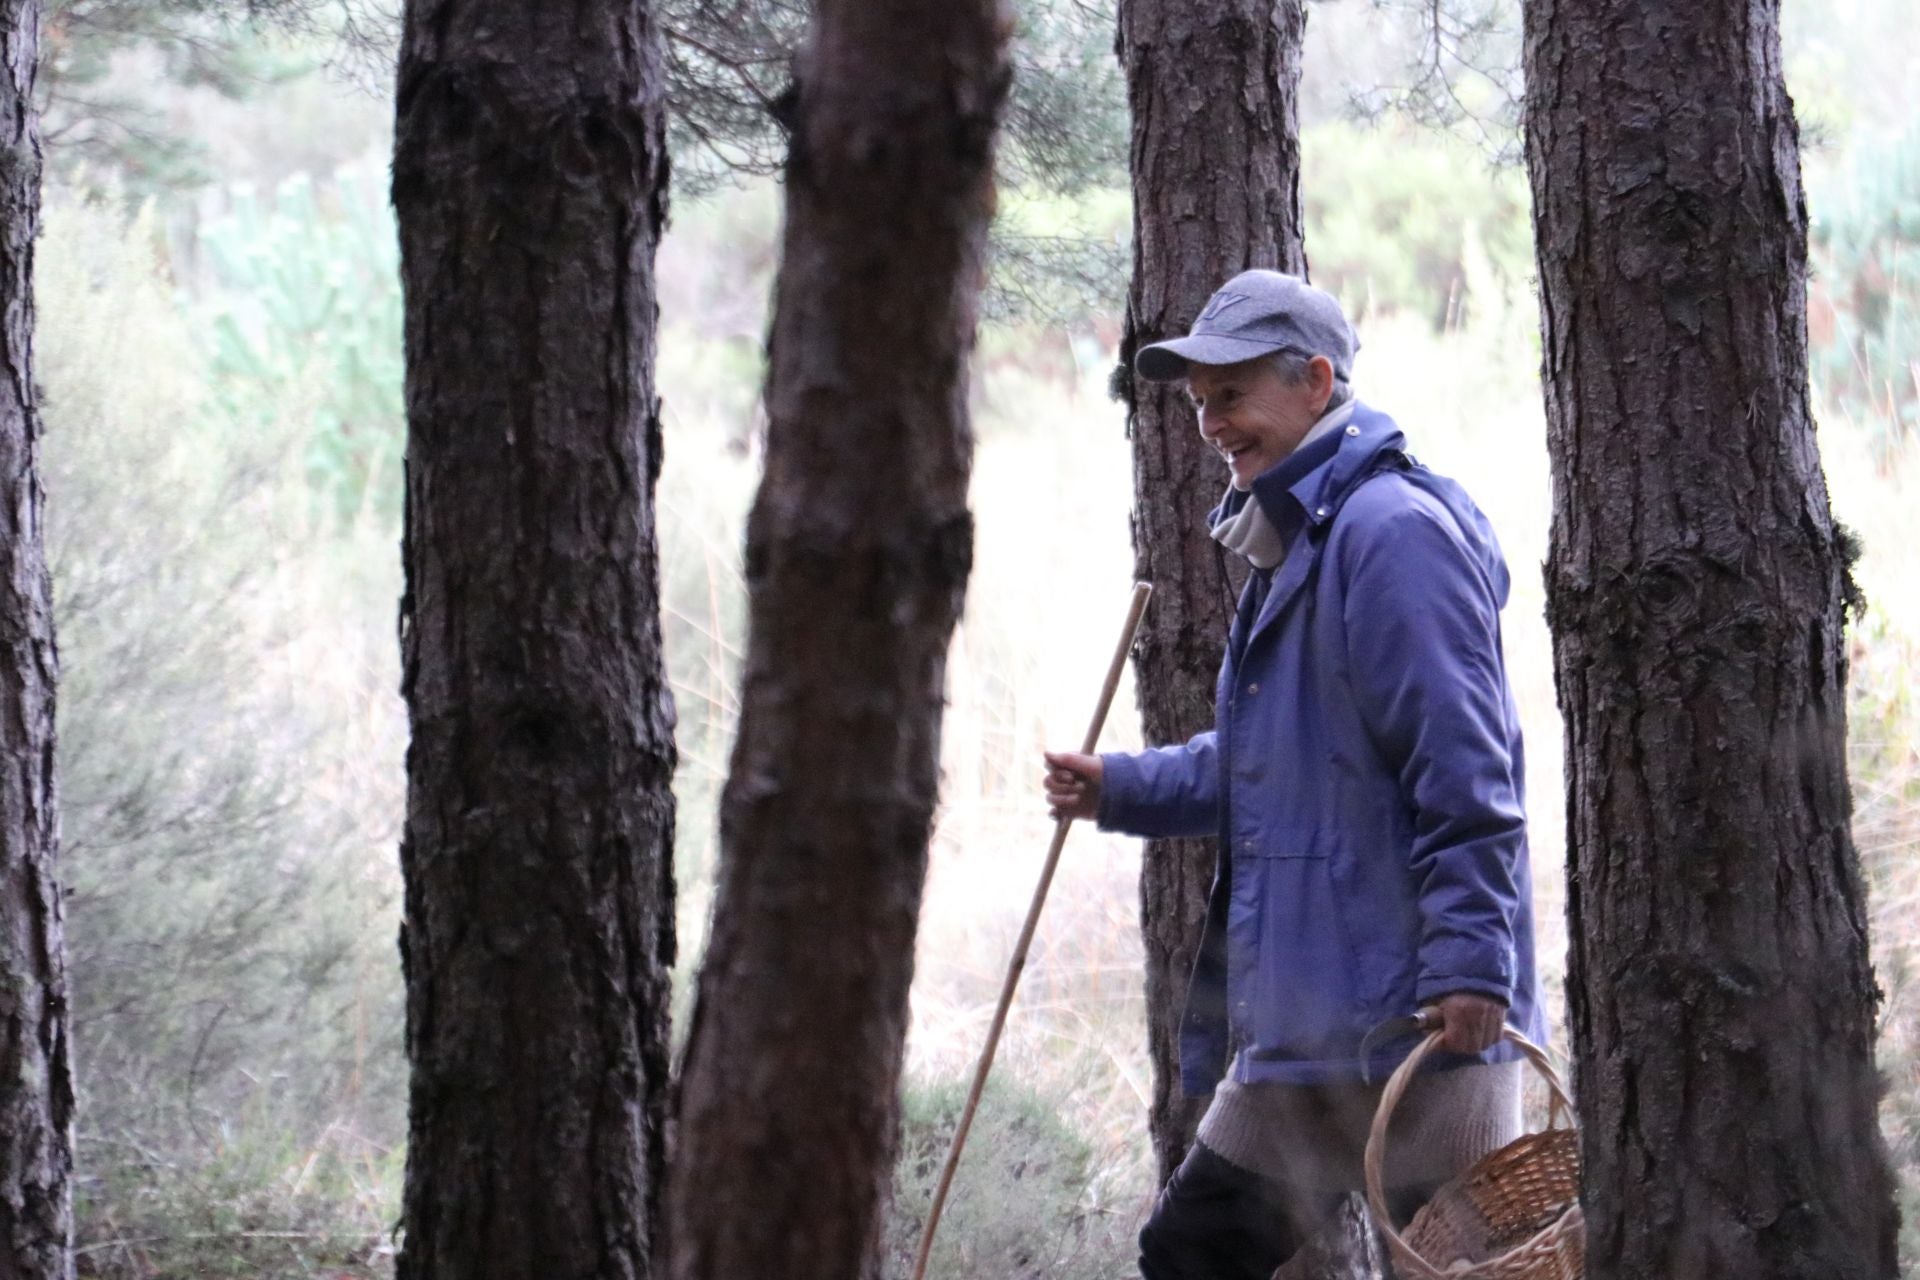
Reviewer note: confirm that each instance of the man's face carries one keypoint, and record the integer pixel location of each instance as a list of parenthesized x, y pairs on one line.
[(1253, 415)]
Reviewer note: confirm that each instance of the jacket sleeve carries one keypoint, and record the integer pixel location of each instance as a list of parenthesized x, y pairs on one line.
[(1169, 791), (1423, 638)]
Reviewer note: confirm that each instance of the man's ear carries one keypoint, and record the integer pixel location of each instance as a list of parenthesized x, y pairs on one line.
[(1320, 377)]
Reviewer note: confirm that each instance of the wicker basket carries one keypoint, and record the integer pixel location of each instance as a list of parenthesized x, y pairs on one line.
[(1515, 1215)]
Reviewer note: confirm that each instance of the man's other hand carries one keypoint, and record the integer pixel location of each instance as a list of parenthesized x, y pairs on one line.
[(1472, 1023), (1072, 784)]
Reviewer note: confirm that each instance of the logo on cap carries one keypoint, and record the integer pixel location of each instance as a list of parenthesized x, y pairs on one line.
[(1222, 301)]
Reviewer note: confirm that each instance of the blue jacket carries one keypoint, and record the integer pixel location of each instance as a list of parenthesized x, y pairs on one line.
[(1364, 776)]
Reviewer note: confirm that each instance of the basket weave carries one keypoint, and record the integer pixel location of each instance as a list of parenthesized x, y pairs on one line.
[(1514, 1215)]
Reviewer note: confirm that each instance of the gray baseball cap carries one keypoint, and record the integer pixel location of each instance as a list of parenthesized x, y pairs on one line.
[(1254, 314)]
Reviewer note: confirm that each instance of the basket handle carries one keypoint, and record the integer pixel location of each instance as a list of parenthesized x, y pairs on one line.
[(1417, 1267)]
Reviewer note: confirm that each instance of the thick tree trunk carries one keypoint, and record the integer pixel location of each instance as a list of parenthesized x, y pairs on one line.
[(1348, 1248), (1721, 1001), (529, 178), (857, 556), (36, 1079), (1216, 189)]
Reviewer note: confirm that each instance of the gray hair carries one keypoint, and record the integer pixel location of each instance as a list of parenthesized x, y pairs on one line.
[(1292, 368)]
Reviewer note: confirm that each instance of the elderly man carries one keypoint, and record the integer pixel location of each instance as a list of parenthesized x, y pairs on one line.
[(1364, 779)]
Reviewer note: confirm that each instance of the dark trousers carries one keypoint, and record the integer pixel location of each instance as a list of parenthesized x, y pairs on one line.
[(1217, 1221)]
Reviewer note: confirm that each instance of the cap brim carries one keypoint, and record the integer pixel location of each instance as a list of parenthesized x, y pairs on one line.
[(1168, 361)]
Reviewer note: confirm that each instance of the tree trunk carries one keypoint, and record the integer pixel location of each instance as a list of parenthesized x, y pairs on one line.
[(1347, 1248), (36, 1077), (1215, 160), (857, 556), (529, 180), (1721, 1001)]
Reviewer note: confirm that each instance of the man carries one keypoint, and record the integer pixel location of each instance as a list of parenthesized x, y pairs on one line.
[(1364, 778)]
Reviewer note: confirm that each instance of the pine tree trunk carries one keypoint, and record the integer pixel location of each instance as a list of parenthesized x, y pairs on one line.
[(857, 555), (1347, 1248), (36, 1076), (1721, 1000), (529, 179), (1216, 190)]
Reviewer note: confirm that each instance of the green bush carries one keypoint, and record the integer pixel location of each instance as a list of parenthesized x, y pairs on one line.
[(230, 944), (258, 1206), (303, 291), (1391, 211), (1028, 1198)]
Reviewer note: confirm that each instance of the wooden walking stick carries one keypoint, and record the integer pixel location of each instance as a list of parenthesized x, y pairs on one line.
[(1141, 590)]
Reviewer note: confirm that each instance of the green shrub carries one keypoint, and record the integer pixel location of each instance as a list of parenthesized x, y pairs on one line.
[(1391, 211), (303, 292), (1027, 1201), (229, 939), (250, 1204)]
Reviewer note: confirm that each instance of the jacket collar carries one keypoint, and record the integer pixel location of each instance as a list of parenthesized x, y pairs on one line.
[(1368, 441), (1319, 476), (1369, 438)]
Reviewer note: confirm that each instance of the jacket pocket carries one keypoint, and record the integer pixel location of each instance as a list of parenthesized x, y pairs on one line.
[(1310, 998), (1373, 878)]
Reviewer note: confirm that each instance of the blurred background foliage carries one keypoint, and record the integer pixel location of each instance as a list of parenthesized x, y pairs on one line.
[(219, 349), (302, 288), (1864, 308)]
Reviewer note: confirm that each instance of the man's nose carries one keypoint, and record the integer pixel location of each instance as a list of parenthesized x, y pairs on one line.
[(1209, 423)]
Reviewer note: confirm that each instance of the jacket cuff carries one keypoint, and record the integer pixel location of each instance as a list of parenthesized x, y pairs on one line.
[(1119, 784), (1432, 987), (1453, 962)]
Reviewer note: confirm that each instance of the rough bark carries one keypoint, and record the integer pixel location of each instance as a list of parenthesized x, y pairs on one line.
[(858, 549), (1347, 1249), (1720, 994), (36, 1080), (1215, 163), (529, 180)]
